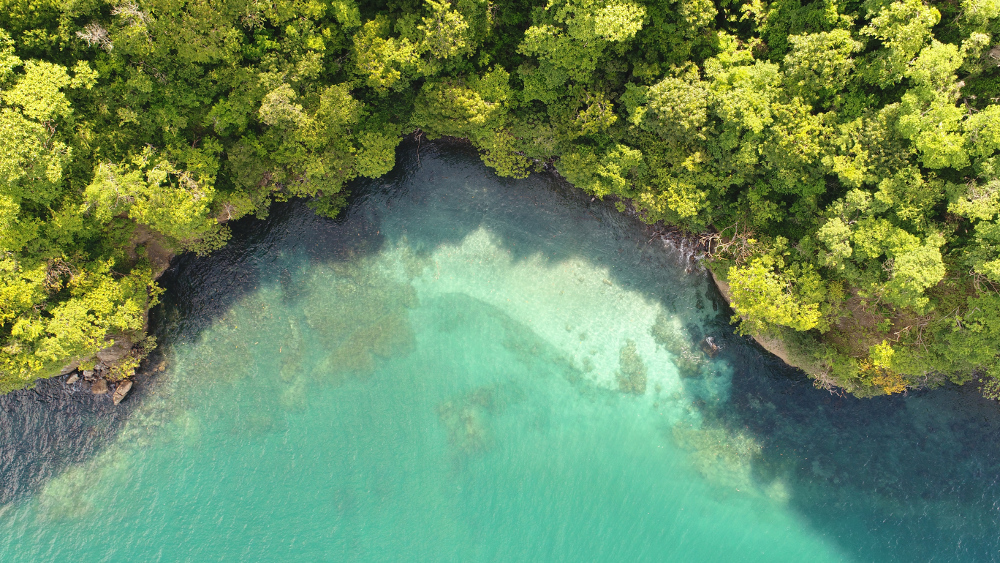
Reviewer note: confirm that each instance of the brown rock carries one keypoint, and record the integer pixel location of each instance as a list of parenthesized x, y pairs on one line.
[(722, 285), (116, 351), (157, 251), (72, 379), (122, 390), (708, 346), (99, 387)]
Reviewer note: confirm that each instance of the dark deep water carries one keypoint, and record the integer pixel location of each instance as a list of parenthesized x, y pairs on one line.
[(467, 368)]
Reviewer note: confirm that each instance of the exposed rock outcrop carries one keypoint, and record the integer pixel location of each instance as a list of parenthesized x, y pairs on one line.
[(157, 252), (116, 351), (123, 388), (99, 387), (771, 344)]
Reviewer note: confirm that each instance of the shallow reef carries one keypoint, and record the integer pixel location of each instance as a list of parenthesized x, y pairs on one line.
[(631, 374), (667, 332), (467, 417), (723, 457), (357, 314)]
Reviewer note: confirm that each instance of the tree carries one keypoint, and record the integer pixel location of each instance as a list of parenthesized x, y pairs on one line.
[(569, 39), (763, 298)]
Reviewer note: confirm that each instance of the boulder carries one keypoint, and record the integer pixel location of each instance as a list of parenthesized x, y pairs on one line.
[(99, 387), (72, 379), (122, 390), (157, 251)]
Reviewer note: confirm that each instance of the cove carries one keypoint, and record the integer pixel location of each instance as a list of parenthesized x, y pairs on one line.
[(464, 368)]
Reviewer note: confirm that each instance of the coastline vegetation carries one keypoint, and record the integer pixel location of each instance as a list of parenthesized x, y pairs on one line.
[(840, 160)]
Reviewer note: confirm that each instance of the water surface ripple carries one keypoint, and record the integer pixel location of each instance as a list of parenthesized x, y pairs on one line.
[(464, 368)]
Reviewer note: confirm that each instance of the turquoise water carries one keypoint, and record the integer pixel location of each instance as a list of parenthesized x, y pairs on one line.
[(471, 369)]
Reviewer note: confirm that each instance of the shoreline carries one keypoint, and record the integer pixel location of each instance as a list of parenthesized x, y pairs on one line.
[(775, 346), (127, 352)]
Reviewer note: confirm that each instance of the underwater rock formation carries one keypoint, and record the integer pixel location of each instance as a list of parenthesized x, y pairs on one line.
[(723, 457), (632, 370), (467, 417), (359, 315), (669, 334)]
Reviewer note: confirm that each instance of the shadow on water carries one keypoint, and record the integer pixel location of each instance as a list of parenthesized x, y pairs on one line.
[(202, 288), (904, 478), (895, 478), (898, 478), (43, 430)]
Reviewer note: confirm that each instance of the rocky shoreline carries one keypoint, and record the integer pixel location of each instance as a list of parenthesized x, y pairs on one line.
[(111, 369), (693, 249), (98, 383)]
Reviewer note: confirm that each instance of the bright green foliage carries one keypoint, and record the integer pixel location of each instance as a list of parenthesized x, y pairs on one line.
[(454, 109), (32, 106), (982, 131), (376, 154), (928, 115), (477, 108), (914, 269), (152, 192), (604, 174), (981, 15), (569, 39), (444, 33), (498, 151), (819, 65), (384, 62), (981, 205), (903, 28), (197, 113), (676, 109), (763, 297), (41, 339)]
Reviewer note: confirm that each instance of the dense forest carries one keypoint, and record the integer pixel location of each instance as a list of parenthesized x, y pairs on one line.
[(840, 161)]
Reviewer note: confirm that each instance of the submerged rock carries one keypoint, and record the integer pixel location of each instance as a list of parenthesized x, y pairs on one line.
[(468, 418), (360, 315), (466, 425), (632, 370), (99, 387), (123, 388), (723, 456), (709, 346), (669, 333)]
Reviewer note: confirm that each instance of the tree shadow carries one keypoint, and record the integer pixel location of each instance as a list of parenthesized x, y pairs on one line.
[(893, 478)]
